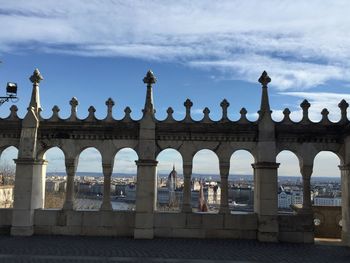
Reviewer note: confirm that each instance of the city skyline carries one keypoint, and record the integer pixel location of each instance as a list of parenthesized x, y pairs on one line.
[(305, 54)]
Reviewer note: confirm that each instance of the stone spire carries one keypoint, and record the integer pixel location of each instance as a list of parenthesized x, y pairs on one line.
[(265, 105), (35, 99), (149, 79)]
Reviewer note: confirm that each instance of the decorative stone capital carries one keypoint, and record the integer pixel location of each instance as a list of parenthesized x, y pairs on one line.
[(107, 169), (36, 77), (146, 162), (344, 167), (265, 165), (306, 171)]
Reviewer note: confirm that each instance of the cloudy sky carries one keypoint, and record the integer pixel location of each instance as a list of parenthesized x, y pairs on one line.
[(202, 50)]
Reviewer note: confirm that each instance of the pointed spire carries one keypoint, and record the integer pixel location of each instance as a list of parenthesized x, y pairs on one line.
[(149, 79), (265, 105), (35, 98)]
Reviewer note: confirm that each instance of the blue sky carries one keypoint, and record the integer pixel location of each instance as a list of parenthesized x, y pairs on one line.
[(202, 50)]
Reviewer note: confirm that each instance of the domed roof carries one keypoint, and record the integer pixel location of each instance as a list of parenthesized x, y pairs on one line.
[(173, 173)]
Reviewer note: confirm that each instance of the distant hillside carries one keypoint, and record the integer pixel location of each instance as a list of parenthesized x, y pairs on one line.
[(210, 176)]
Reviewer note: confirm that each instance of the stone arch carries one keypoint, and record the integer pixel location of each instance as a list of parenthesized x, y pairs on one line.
[(327, 187), (206, 166), (89, 179), (241, 180), (55, 182), (42, 153), (7, 174), (124, 188), (290, 181), (129, 155), (169, 188)]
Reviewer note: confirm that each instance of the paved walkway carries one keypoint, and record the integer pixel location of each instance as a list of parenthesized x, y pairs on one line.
[(104, 249)]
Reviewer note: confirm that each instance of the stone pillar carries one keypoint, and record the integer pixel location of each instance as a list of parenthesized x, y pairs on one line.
[(187, 198), (266, 200), (345, 203), (224, 173), (29, 195), (306, 172), (146, 198), (71, 168), (107, 173), (29, 189), (146, 188)]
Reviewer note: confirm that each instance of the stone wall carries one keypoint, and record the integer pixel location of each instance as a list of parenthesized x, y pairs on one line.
[(329, 218), (296, 228)]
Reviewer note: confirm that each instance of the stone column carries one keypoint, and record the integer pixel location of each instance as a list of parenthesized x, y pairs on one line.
[(29, 195), (266, 200), (107, 173), (71, 167), (187, 198), (146, 188), (345, 203), (146, 198), (306, 172), (30, 178), (224, 173)]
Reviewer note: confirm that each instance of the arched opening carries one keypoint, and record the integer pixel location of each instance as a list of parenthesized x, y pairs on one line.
[(241, 182), (89, 180), (290, 184), (55, 181), (169, 180), (7, 176), (326, 196), (124, 179), (206, 182)]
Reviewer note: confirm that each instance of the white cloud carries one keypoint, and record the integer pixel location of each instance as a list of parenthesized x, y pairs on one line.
[(303, 44)]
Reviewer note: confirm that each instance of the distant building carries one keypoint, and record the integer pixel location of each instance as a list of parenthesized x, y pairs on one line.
[(327, 200), (288, 198), (52, 186), (130, 193)]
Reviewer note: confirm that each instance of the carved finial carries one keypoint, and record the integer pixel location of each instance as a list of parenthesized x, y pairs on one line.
[(243, 113), (74, 104), (343, 105), (224, 105), (109, 104), (324, 114), (206, 112), (91, 116), (305, 105), (36, 77), (286, 113), (264, 79), (55, 111), (149, 79), (91, 110), (13, 112), (188, 104), (170, 112), (265, 105), (127, 116)]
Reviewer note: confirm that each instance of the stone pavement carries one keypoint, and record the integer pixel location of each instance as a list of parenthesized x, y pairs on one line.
[(106, 249)]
